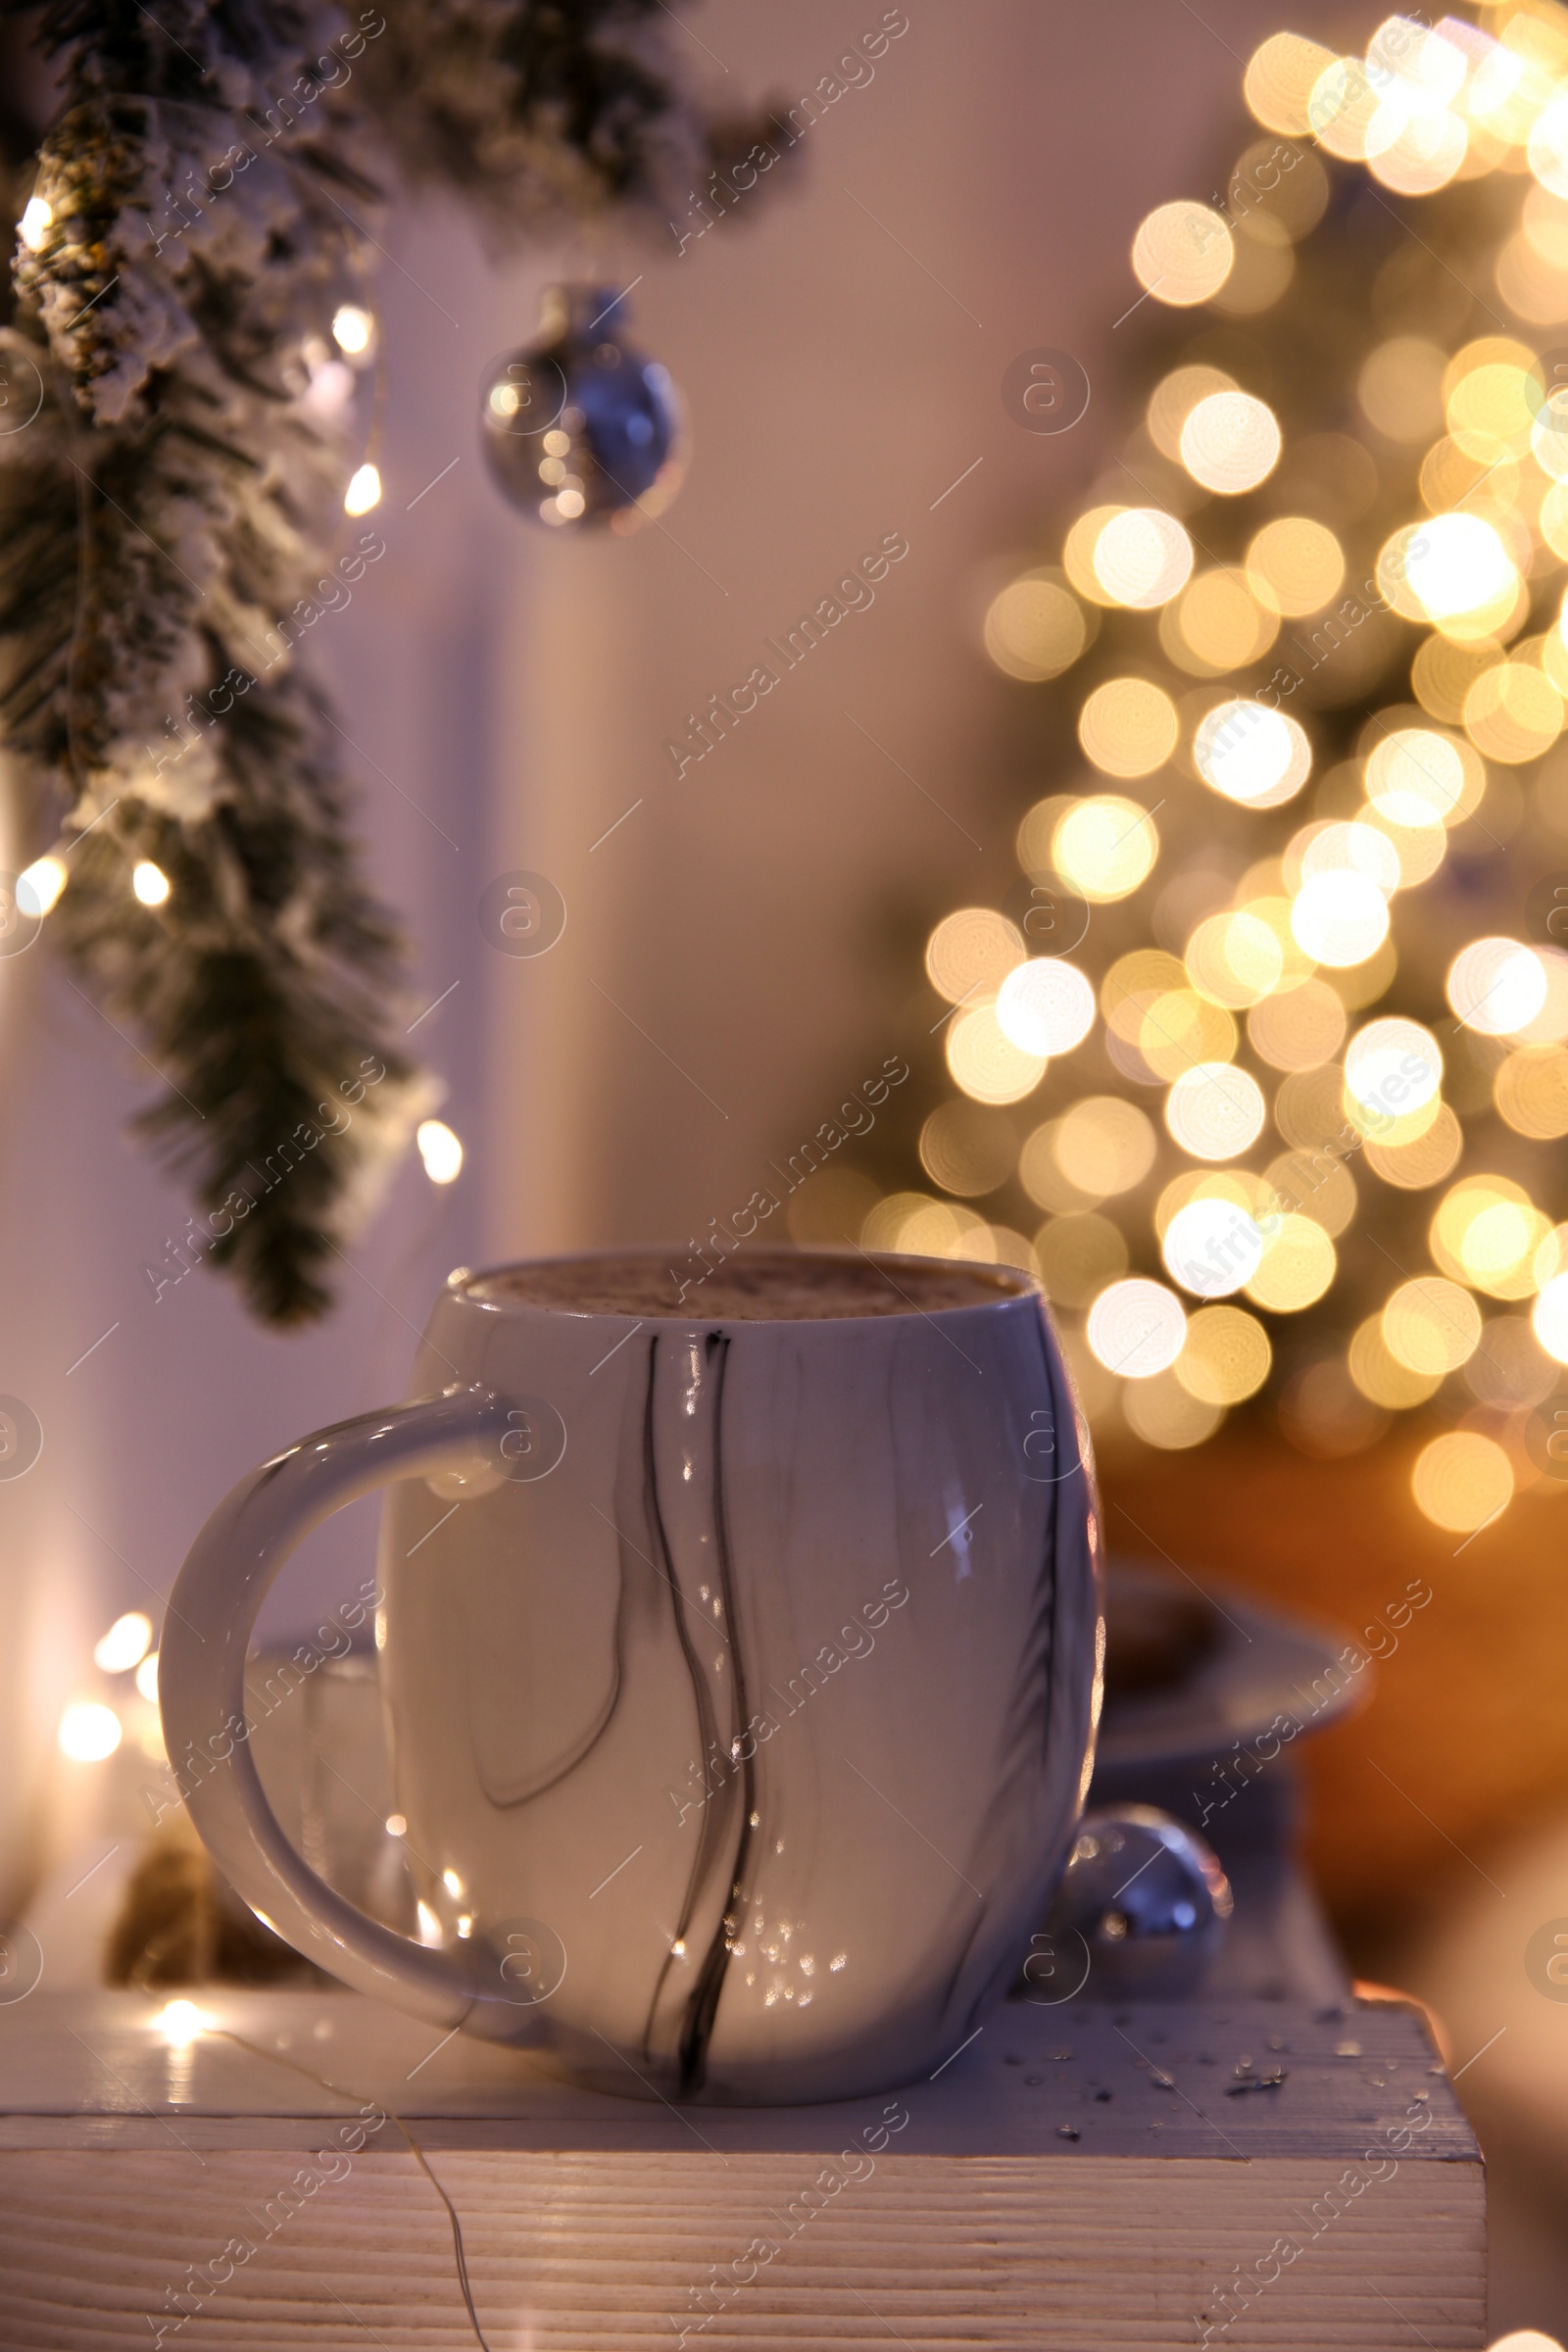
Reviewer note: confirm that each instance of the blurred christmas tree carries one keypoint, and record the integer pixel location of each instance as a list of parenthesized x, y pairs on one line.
[(1271, 1027)]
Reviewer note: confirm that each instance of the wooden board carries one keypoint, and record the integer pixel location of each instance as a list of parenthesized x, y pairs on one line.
[(954, 2212)]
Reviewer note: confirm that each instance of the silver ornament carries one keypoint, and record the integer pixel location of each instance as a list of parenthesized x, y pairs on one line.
[(579, 428), (1141, 1911)]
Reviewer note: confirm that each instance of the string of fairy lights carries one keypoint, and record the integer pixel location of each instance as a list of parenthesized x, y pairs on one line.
[(1284, 1067)]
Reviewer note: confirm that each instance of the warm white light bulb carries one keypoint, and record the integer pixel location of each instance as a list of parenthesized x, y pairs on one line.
[(149, 882), (89, 1732), (124, 1646), (38, 885), (181, 2024), (147, 1677), (363, 491), (440, 1150), (352, 329), (37, 217)]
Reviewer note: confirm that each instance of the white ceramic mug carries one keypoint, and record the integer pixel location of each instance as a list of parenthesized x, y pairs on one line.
[(741, 1677)]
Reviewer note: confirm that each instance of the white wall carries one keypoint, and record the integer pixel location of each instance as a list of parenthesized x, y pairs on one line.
[(519, 689)]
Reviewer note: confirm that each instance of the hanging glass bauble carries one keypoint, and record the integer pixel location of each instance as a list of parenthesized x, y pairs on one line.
[(579, 428)]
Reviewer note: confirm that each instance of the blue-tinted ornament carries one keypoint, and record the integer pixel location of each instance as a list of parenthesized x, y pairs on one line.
[(1144, 1905), (580, 428)]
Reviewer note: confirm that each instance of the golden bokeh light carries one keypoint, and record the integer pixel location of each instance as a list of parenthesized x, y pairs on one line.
[(1104, 847), (1217, 624), (1035, 829), (1136, 1328), (1105, 1145), (1549, 435), (1551, 1259), (1339, 918), (1181, 1028), (1431, 1326), (1253, 755), (1415, 151), (1142, 557), (1133, 983), (1294, 566), (1548, 1318), (1555, 520), (1300, 1029), (1413, 68), (1078, 553), (1280, 79), (1225, 1356), (1549, 147), (1230, 442), (1392, 1066), (1046, 1007), (1496, 986), (968, 1149), (1298, 1266), (983, 1060), (1513, 713), (1418, 850), (1380, 1375), (1044, 1179), (1531, 1091), (1549, 1026), (1274, 910), (1442, 675), (1128, 728), (1215, 1111), (1173, 401), (1510, 1368), (1164, 1413), (914, 1223), (1014, 1249), (1400, 388), (1486, 1233), (1534, 284), (1318, 1184), (1307, 1107), (972, 949), (1078, 1256), (1543, 224), (1235, 959), (1421, 1160), (1340, 109), (1211, 1246), (1450, 479), (1453, 570), (1240, 1187), (1036, 628), (1491, 407), (1416, 777), (1508, 91), (1454, 468), (1501, 1246), (1463, 1481), (1183, 252), (1330, 847)]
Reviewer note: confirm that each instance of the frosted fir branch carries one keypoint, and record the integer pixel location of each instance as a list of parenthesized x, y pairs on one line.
[(205, 200), (173, 501)]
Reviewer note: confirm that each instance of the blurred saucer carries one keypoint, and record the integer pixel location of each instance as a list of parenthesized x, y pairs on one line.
[(1190, 1672)]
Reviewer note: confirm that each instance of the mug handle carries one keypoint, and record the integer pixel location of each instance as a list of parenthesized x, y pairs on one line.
[(201, 1682)]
